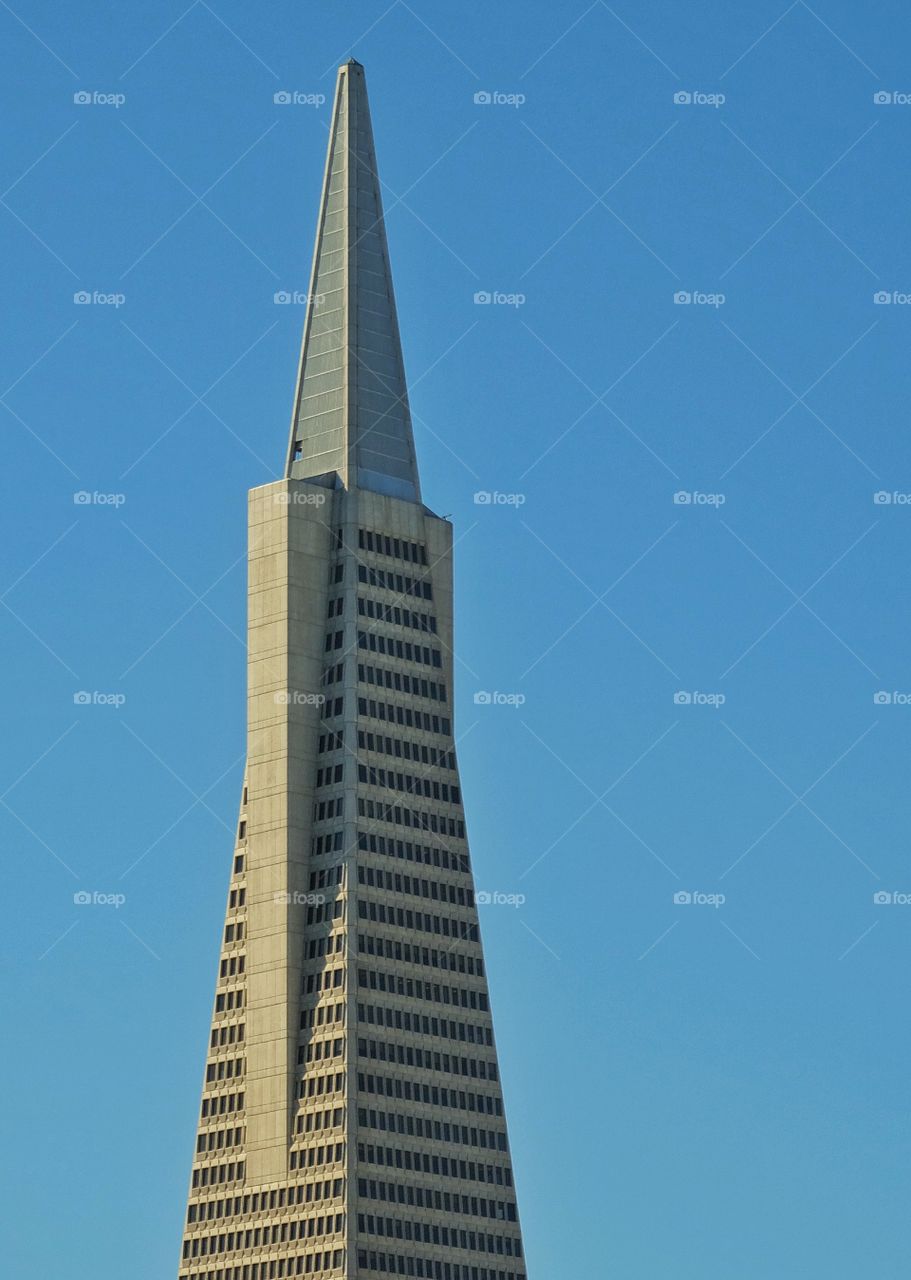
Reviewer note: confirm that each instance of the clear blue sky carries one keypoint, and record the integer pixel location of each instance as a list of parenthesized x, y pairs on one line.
[(695, 1091)]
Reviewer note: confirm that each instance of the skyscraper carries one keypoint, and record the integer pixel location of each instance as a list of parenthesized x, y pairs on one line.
[(352, 1119)]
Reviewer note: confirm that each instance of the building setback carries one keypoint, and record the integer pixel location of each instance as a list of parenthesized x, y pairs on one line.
[(352, 1118)]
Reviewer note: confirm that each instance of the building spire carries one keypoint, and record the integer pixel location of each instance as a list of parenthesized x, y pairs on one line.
[(351, 413)]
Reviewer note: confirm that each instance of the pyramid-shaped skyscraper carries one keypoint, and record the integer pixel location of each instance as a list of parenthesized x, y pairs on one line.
[(352, 1120)]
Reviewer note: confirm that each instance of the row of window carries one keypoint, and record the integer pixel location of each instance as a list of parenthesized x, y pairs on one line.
[(303, 1265), (320, 1050), (430, 1094), (326, 911), (408, 953), (331, 842), (434, 1199), (231, 966), (401, 682), (438, 1131), (219, 1139), (439, 824), (408, 783), (442, 1166), (448, 859), (386, 580), (226, 1000), (312, 1157), (220, 1036), (402, 749), (322, 1015), (331, 741), (395, 616), (264, 1201), (394, 882), (323, 980), (329, 775), (432, 1233), (423, 1024), (326, 945), (332, 808), (314, 1121), (404, 650), (383, 545), (214, 1174), (405, 918), (222, 1104), (417, 989), (313, 1086), (397, 1264), (225, 1069), (407, 716), (263, 1237), (409, 1055)]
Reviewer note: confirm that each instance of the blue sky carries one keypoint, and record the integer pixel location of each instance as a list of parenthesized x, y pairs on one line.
[(696, 1089)]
